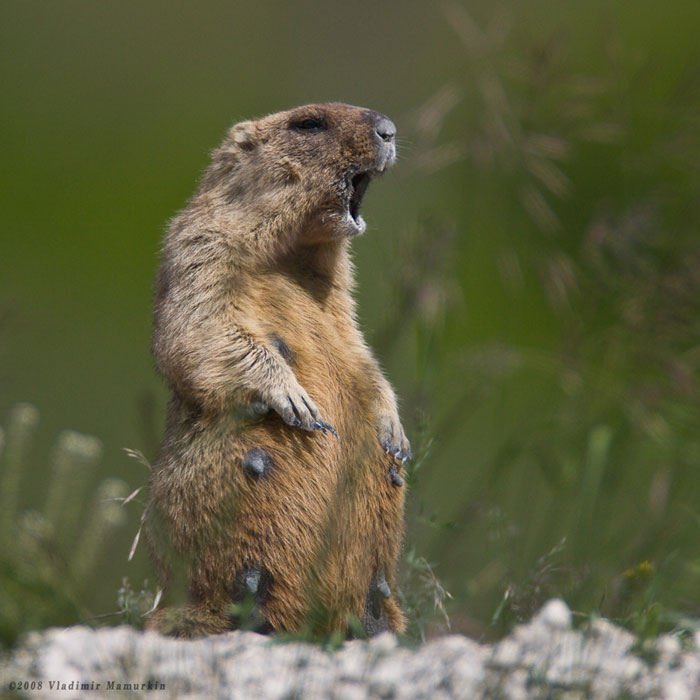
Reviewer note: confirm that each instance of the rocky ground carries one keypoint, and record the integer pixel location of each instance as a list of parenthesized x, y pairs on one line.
[(545, 658)]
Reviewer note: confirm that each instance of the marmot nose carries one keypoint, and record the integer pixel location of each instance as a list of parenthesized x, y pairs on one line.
[(385, 128)]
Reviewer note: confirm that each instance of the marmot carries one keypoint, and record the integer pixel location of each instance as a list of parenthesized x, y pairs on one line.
[(279, 476)]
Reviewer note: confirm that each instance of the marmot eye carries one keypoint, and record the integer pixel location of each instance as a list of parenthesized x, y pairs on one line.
[(310, 124)]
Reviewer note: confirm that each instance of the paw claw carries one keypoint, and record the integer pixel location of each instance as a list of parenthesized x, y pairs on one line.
[(324, 427), (392, 438)]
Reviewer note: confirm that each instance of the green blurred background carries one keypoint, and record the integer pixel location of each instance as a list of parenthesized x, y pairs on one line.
[(530, 276)]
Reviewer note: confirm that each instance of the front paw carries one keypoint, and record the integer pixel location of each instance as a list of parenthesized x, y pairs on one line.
[(393, 439), (296, 408)]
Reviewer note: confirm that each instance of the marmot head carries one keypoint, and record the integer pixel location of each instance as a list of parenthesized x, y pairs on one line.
[(311, 165)]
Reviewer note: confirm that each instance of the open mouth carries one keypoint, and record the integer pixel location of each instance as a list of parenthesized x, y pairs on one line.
[(358, 187)]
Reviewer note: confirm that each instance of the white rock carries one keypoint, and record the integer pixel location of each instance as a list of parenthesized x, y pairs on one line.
[(544, 656), (349, 691), (383, 643), (555, 614), (669, 649)]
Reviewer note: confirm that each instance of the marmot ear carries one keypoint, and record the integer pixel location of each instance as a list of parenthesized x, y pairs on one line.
[(244, 135)]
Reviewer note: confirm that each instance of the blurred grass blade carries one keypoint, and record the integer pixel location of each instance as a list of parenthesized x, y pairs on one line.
[(107, 514), (74, 456), (22, 425)]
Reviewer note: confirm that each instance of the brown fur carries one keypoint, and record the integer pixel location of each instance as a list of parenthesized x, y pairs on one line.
[(255, 332)]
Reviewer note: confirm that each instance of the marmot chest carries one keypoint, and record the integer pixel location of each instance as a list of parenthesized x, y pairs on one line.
[(311, 326)]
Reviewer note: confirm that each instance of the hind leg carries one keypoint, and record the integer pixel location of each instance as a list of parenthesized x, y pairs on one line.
[(240, 605), (382, 520), (190, 621), (382, 613)]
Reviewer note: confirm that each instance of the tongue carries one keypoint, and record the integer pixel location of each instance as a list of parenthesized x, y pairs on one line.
[(359, 185)]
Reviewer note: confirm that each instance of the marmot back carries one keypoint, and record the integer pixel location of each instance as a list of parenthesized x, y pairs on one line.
[(279, 477)]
